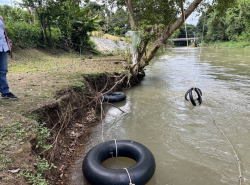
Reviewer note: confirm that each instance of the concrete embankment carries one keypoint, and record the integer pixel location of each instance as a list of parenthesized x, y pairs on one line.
[(109, 46)]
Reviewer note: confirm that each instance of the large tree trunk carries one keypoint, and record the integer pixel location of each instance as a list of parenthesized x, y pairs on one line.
[(168, 31)]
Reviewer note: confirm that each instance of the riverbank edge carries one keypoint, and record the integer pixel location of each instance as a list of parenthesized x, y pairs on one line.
[(23, 163), (228, 44), (80, 126)]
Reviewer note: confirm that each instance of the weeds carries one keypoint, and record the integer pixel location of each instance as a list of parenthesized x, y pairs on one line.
[(4, 162), (42, 166), (42, 133), (34, 117), (78, 86), (34, 179), (15, 131)]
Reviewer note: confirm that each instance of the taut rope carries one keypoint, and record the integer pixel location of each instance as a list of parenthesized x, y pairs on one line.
[(241, 179)]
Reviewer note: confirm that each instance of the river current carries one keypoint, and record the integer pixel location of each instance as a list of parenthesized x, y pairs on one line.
[(186, 141)]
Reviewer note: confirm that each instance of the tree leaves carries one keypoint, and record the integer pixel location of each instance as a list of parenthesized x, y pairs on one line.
[(233, 24)]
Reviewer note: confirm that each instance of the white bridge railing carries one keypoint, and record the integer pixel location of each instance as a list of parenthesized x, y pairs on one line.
[(184, 39)]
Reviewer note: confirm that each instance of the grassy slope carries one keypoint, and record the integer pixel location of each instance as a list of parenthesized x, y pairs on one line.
[(34, 76)]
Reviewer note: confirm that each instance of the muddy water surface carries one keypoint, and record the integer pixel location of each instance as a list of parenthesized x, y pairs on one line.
[(188, 148)]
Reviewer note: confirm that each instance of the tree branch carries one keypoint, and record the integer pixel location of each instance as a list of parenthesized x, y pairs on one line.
[(131, 13), (170, 30)]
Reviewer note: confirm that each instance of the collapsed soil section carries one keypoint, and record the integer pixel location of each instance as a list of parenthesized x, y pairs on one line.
[(63, 93), (72, 119)]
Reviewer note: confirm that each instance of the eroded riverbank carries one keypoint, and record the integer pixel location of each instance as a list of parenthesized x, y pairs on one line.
[(55, 91), (187, 146)]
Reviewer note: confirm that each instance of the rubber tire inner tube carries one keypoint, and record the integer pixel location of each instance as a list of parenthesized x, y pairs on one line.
[(140, 173), (114, 97), (198, 92)]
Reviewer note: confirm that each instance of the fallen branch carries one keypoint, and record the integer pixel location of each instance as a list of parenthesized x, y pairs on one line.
[(114, 106)]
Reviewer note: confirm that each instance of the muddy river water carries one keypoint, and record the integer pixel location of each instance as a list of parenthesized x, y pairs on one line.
[(188, 148)]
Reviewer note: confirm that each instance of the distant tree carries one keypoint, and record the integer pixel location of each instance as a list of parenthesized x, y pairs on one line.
[(201, 27), (157, 21), (232, 24), (15, 14), (75, 22), (43, 12), (191, 31), (119, 22), (216, 27), (97, 9)]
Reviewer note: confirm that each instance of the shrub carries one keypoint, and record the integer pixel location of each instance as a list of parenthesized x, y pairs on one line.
[(24, 35)]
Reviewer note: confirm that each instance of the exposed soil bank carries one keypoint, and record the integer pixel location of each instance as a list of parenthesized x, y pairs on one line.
[(72, 119), (59, 91)]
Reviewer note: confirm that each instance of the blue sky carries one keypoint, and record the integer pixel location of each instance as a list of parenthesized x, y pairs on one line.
[(8, 2), (2, 2)]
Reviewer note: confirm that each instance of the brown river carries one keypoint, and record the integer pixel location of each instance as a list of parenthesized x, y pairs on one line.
[(191, 145)]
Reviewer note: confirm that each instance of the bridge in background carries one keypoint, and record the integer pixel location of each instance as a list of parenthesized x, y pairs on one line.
[(184, 39)]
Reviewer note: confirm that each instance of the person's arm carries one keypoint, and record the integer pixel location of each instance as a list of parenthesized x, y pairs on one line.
[(7, 38), (8, 42)]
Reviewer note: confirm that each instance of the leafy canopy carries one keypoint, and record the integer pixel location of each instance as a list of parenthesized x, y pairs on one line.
[(151, 12)]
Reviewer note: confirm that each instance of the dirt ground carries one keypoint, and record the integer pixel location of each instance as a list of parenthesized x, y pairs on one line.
[(53, 93)]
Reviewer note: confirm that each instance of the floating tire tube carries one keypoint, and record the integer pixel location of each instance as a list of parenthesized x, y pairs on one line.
[(190, 94), (114, 97), (139, 174)]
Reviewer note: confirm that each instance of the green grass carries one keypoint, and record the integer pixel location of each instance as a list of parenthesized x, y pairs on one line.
[(12, 136), (4, 162), (42, 166), (229, 44), (35, 76), (16, 131)]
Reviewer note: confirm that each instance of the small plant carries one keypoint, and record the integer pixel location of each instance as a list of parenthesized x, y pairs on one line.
[(118, 31), (13, 130), (33, 179), (4, 162), (42, 166), (78, 86), (42, 133), (44, 96), (125, 54), (34, 117), (21, 134)]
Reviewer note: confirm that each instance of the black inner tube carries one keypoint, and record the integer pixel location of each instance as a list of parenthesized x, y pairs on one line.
[(140, 174), (114, 97)]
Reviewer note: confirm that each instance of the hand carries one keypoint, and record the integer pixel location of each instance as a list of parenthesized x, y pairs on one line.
[(9, 44)]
